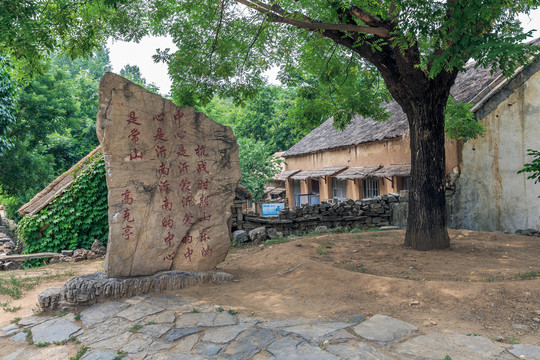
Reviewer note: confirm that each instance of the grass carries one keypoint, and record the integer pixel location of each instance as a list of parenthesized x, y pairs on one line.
[(14, 286), (80, 353), (120, 354), (232, 312), (195, 310), (531, 275), (322, 250), (359, 230), (220, 309), (135, 328)]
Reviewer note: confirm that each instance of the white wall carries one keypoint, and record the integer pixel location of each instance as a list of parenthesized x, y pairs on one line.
[(490, 195)]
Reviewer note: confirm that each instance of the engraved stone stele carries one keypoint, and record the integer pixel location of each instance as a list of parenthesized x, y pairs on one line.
[(171, 177)]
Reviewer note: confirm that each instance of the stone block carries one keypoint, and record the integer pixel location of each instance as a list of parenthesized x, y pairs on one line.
[(171, 177)]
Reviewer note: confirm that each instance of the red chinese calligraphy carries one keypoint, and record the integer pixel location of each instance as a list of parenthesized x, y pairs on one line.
[(167, 222), (185, 185), (159, 135), (203, 235), (201, 166), (205, 217), (159, 117), (201, 150), (161, 151), (187, 201), (206, 252), (127, 232), (136, 155), (132, 119), (134, 136), (127, 216), (182, 151), (188, 254), (170, 256), (163, 170), (188, 219), (164, 186), (178, 117), (187, 239), (203, 201), (181, 134), (126, 197), (167, 205), (169, 238), (203, 184), (183, 167)]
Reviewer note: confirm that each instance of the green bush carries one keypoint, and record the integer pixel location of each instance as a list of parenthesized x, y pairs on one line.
[(73, 219)]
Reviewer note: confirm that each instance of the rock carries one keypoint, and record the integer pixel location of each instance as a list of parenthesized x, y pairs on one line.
[(55, 330), (240, 237), (272, 233), (97, 248), (66, 252), (258, 235), (535, 319), (172, 175), (321, 228), (519, 326), (10, 265), (437, 346), (384, 328), (529, 352)]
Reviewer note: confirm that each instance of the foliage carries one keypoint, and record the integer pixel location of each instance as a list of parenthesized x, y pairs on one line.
[(74, 219), (54, 126), (8, 101), (257, 165), (460, 122), (133, 73), (532, 167)]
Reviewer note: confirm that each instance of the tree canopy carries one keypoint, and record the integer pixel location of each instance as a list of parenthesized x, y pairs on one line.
[(346, 56)]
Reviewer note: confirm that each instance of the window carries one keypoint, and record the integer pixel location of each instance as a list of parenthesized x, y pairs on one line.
[(339, 189), (296, 192), (314, 186), (371, 188)]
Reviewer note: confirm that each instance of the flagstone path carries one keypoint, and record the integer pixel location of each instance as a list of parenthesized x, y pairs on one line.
[(164, 326)]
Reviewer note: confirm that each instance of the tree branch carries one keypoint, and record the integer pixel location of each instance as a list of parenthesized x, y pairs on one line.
[(277, 14)]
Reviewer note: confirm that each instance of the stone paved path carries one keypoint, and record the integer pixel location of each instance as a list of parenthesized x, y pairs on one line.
[(163, 327)]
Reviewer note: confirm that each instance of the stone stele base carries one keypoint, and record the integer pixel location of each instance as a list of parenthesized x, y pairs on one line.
[(89, 289)]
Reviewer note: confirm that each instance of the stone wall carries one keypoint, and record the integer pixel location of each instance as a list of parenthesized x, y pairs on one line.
[(362, 214)]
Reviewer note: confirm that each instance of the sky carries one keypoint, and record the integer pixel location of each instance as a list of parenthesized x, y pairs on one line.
[(140, 54)]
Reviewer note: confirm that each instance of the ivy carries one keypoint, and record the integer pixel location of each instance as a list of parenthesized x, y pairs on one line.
[(73, 219)]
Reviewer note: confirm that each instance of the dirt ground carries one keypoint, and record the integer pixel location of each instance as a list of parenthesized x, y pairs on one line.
[(476, 287)]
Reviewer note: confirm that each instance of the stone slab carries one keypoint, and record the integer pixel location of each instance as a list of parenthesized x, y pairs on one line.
[(140, 310), (314, 332), (356, 351), (252, 343), (56, 330), (528, 352), (100, 312), (99, 355), (171, 177), (458, 347), (176, 334), (291, 349), (384, 328), (225, 334)]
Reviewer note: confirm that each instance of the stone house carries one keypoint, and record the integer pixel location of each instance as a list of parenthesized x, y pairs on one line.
[(485, 192)]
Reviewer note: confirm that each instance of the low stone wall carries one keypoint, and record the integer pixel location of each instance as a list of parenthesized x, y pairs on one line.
[(89, 289), (362, 214)]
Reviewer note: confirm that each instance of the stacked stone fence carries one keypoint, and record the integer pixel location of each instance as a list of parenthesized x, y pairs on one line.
[(363, 214)]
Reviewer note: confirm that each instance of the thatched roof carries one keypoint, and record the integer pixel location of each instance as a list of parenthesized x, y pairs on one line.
[(476, 86), (274, 190), (61, 183), (242, 193), (315, 174), (286, 174), (393, 170), (360, 172)]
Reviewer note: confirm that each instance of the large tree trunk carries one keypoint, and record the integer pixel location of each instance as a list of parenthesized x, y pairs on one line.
[(426, 222)]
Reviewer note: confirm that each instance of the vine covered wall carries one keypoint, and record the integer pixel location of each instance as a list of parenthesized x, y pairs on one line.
[(73, 219)]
